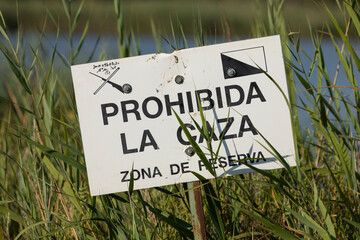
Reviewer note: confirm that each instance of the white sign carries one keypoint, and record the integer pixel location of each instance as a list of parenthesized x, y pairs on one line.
[(127, 122)]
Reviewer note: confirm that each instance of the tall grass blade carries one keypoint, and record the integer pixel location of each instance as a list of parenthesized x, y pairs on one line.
[(196, 147), (270, 225), (16, 68)]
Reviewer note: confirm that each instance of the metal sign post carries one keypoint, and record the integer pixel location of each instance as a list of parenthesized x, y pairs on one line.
[(197, 210)]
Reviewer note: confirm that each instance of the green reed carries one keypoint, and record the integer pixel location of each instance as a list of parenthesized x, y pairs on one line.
[(43, 183)]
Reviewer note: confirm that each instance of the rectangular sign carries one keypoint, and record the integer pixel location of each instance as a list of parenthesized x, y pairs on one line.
[(127, 122)]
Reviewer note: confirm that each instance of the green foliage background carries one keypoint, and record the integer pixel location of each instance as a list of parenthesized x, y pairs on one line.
[(239, 14), (43, 183)]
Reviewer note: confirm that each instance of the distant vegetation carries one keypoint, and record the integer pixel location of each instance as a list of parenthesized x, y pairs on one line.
[(44, 190), (217, 15)]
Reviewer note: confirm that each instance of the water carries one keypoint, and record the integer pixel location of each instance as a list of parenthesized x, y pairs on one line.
[(336, 75), (108, 49)]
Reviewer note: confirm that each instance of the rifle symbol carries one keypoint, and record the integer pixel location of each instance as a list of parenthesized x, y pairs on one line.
[(117, 86)]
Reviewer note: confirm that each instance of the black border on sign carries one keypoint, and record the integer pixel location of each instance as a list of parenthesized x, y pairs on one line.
[(243, 49)]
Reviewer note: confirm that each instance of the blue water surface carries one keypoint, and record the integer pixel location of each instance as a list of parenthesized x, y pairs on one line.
[(106, 47)]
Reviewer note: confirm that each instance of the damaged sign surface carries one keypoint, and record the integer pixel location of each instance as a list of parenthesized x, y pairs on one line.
[(126, 112)]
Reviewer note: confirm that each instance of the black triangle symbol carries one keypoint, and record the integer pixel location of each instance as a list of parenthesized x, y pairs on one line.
[(242, 69)]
